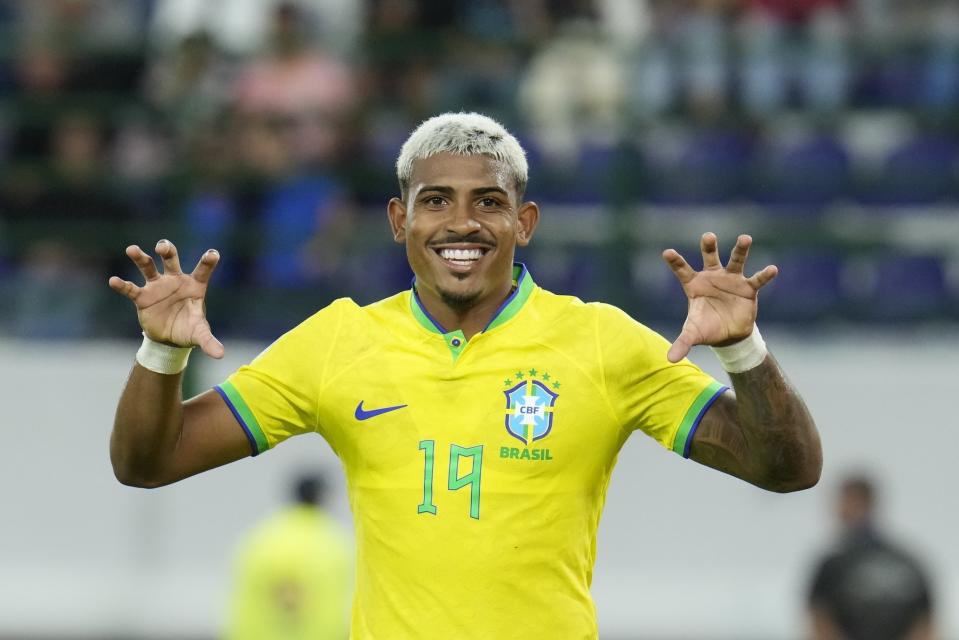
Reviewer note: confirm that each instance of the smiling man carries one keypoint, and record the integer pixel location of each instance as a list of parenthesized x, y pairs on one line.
[(478, 416)]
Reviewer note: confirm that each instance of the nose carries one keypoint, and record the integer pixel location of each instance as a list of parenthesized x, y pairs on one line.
[(461, 220)]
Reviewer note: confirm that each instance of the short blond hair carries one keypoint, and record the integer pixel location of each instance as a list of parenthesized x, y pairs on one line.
[(465, 134)]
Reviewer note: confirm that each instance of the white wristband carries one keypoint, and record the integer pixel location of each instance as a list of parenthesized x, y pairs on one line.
[(162, 358), (743, 355)]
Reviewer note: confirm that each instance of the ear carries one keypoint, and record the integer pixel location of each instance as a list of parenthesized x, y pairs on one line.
[(396, 211), (528, 218)]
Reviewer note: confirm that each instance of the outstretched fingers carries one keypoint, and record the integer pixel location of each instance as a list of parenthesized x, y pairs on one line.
[(709, 246), (206, 265), (171, 260), (761, 278), (124, 287), (144, 263), (679, 266), (737, 258)]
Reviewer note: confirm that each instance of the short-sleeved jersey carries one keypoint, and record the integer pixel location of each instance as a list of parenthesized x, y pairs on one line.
[(476, 470), (293, 579)]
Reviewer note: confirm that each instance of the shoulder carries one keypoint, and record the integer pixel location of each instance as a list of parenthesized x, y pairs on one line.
[(606, 321), (341, 309)]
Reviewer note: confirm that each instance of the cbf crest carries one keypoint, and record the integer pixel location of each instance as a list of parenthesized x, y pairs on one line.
[(529, 406)]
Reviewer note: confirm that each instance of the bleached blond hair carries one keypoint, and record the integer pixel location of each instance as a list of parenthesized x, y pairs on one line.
[(465, 134)]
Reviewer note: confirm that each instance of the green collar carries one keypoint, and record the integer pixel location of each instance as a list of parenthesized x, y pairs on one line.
[(455, 340)]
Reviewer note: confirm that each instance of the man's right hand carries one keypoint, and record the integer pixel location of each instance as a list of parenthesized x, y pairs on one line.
[(170, 306)]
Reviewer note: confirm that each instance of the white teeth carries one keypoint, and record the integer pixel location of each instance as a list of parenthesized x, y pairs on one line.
[(459, 255)]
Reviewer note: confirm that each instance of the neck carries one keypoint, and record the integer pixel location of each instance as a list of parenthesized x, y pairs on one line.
[(470, 320)]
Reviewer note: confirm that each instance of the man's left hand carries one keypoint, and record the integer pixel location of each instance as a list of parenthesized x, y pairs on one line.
[(722, 300)]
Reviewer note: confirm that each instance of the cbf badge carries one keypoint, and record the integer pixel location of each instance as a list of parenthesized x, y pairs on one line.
[(529, 408)]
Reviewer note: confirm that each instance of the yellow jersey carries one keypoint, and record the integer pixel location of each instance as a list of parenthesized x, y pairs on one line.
[(294, 579), (476, 470)]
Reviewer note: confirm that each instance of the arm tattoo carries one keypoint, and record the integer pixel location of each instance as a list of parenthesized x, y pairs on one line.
[(765, 435)]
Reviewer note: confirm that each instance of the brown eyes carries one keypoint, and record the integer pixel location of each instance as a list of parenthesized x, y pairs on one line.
[(439, 201)]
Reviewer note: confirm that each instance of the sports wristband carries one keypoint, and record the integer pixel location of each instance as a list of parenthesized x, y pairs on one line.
[(743, 355), (162, 358)]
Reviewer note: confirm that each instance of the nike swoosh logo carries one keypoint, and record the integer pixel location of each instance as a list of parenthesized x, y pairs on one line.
[(362, 414)]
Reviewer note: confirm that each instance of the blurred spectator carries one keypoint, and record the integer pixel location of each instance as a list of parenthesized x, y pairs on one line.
[(293, 574), (40, 76), (867, 588), (56, 295), (60, 205), (294, 80), (573, 91), (85, 25), (939, 88), (280, 226), (400, 58), (242, 27), (685, 58), (190, 85), (799, 46)]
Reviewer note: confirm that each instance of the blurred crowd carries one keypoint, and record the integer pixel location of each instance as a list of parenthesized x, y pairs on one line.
[(269, 129)]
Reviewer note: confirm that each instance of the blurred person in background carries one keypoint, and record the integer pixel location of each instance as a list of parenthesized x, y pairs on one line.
[(293, 573), (60, 201), (190, 85), (867, 588), (799, 47), (294, 80), (470, 523), (573, 90), (287, 225)]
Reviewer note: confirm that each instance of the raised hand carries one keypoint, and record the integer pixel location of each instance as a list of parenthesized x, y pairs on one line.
[(170, 306), (722, 300)]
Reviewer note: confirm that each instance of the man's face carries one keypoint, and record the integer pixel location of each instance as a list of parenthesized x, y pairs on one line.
[(461, 223)]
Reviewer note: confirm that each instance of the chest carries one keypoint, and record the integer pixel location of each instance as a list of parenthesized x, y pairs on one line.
[(513, 414)]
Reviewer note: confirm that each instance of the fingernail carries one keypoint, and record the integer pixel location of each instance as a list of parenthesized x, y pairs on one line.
[(213, 251), (162, 242)]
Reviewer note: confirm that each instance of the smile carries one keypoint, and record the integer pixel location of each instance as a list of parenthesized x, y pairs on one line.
[(461, 257)]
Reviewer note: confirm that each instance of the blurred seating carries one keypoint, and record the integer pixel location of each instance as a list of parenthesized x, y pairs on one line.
[(711, 167), (902, 288), (808, 287), (599, 173), (803, 176), (920, 171)]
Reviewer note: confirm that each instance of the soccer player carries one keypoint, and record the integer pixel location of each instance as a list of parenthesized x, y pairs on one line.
[(293, 573), (477, 416)]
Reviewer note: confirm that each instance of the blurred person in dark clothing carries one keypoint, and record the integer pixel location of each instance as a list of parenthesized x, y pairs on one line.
[(868, 588), (191, 85)]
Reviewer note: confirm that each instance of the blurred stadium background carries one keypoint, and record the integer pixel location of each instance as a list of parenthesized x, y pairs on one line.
[(825, 128)]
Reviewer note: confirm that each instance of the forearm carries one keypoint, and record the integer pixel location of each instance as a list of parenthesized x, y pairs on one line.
[(764, 436), (782, 444), (147, 427)]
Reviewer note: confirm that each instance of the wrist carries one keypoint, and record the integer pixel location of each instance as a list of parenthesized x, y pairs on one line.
[(744, 355), (162, 358)]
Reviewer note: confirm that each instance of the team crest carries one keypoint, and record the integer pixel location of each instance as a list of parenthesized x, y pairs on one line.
[(529, 410)]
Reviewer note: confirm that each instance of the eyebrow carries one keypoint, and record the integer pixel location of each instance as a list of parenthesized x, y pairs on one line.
[(450, 191)]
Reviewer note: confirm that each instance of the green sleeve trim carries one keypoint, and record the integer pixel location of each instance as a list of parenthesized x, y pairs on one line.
[(694, 415), (244, 415)]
